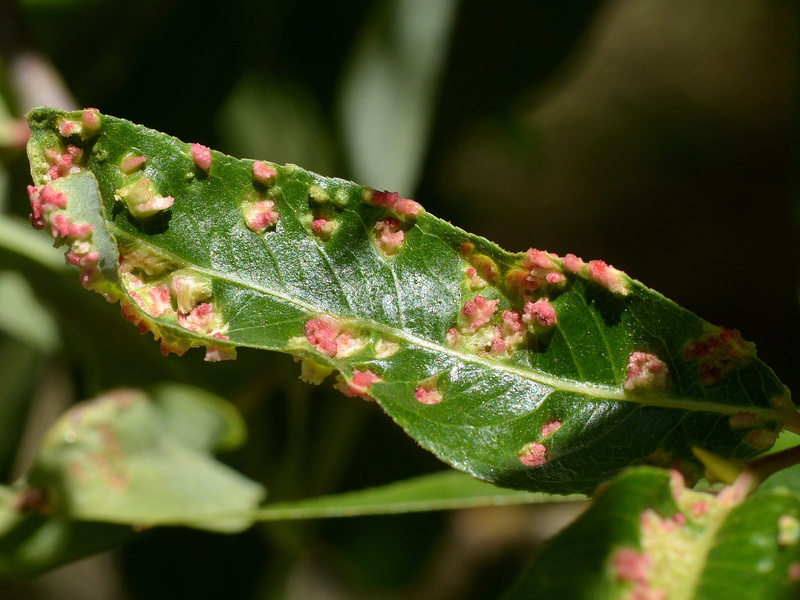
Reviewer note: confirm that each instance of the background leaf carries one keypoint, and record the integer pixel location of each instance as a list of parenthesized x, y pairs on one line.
[(646, 535), (389, 91), (120, 459), (617, 374)]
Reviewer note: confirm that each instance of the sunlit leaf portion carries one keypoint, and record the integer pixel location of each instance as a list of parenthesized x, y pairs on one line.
[(529, 370), (647, 536)]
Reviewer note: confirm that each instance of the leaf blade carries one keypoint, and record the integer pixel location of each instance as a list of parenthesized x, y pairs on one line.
[(527, 370)]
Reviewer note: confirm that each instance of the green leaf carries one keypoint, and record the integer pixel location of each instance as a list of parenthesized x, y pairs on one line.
[(20, 371), (267, 117), (527, 370), (23, 316), (647, 536), (389, 91), (115, 459), (439, 491), (198, 419)]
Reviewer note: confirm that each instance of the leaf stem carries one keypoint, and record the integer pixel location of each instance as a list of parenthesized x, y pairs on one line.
[(768, 465)]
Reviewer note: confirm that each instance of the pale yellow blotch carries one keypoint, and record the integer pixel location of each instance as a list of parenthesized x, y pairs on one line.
[(313, 372), (189, 289), (385, 349)]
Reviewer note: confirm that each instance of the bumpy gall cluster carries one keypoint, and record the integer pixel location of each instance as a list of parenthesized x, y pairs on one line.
[(718, 352), (263, 173), (389, 236), (323, 228), (477, 313), (201, 156), (157, 290), (142, 198), (48, 206), (402, 207), (131, 164), (332, 338), (646, 373), (358, 386), (535, 454), (540, 315), (428, 394), (261, 216), (63, 163)]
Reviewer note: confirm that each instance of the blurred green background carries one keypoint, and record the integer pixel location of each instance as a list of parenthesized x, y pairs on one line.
[(659, 135)]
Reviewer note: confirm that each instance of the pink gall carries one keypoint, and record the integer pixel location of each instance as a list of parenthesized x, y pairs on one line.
[(533, 455), (718, 351), (160, 301), (573, 264), (700, 508), (633, 566), (550, 427), (359, 384), (475, 281), (219, 353), (91, 121), (542, 270), (261, 216), (201, 319), (485, 267), (80, 231), (263, 173), (540, 314), (427, 395), (609, 277), (646, 373), (63, 163), (409, 208), (478, 312), (793, 571), (323, 228), (509, 335), (132, 164), (744, 420), (323, 334), (390, 236), (201, 156), (68, 128), (59, 225), (452, 337), (498, 344), (385, 199)]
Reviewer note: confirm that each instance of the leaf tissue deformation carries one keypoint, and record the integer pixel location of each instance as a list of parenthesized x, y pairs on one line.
[(529, 370)]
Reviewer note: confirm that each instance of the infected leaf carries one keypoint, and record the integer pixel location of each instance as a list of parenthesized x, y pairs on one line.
[(393, 299)]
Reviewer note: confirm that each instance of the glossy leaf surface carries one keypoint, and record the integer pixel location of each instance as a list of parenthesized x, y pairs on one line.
[(647, 536), (528, 370)]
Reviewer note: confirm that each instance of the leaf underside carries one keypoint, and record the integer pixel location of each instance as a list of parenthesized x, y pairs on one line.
[(527, 370)]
